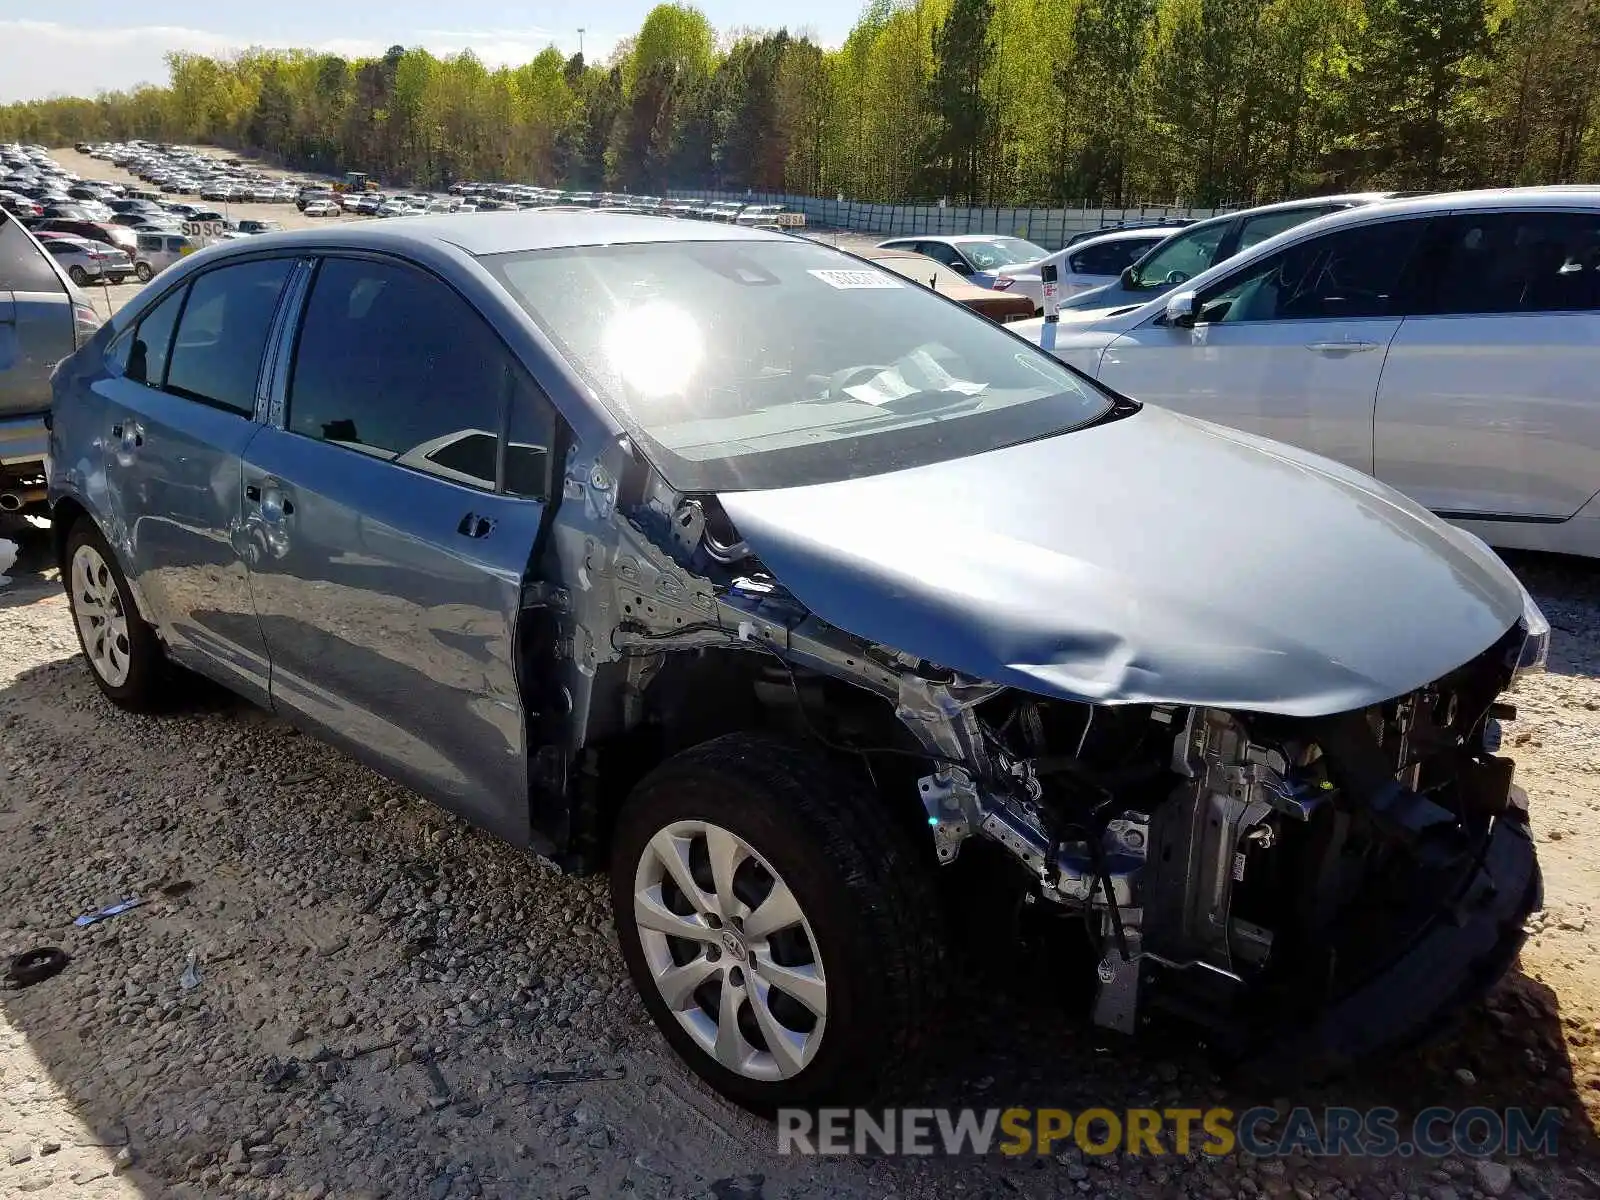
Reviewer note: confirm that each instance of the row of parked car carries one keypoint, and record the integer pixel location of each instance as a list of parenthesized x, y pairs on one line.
[(105, 232), (174, 170)]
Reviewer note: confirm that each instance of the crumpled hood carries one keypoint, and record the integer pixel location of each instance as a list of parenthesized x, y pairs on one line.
[(1152, 559)]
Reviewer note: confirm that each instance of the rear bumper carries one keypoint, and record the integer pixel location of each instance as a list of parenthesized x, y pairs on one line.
[(24, 441)]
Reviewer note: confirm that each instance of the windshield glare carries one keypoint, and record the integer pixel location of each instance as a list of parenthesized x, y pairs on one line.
[(1001, 252), (741, 365)]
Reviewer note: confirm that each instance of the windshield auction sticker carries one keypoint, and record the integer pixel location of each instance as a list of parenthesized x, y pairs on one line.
[(848, 281)]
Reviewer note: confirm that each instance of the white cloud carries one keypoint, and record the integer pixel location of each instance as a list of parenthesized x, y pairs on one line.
[(39, 59)]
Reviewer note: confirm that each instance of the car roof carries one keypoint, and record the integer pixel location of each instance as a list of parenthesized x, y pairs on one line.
[(1157, 232), (503, 232), (1560, 195), (954, 239)]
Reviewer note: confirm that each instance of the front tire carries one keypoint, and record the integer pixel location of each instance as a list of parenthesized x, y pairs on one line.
[(142, 272), (125, 656), (78, 275), (781, 931)]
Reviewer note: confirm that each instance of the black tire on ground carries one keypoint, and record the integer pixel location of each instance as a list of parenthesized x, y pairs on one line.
[(147, 687), (78, 275), (865, 887), (142, 272)]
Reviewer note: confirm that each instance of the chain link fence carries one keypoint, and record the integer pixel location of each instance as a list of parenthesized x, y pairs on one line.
[(1049, 227)]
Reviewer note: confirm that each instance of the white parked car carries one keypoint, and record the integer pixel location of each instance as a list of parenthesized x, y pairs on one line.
[(1090, 263), (87, 261), (989, 260), (1204, 244), (322, 208), (1448, 344)]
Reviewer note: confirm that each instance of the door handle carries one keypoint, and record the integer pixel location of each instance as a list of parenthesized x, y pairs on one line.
[(1350, 347), (130, 434), (474, 526), (274, 504)]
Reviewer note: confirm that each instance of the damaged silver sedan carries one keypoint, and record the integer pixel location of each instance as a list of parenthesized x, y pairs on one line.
[(780, 588)]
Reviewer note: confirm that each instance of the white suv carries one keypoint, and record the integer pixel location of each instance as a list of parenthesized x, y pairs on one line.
[(1449, 345)]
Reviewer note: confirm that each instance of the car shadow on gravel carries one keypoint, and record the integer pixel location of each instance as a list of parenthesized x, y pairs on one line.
[(211, 1091)]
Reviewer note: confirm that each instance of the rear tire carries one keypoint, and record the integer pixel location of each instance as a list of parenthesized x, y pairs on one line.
[(807, 969), (125, 657)]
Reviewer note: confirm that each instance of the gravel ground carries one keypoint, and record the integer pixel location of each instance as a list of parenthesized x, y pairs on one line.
[(372, 986)]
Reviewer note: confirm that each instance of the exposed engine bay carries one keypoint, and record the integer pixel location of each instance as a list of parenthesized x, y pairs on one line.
[(1241, 869)]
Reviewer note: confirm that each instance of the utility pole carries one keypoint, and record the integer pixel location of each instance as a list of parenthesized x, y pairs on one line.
[(580, 43)]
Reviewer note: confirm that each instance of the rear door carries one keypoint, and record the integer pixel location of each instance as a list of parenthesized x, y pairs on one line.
[(392, 520), (36, 323), (180, 409), (1490, 401), (1289, 346)]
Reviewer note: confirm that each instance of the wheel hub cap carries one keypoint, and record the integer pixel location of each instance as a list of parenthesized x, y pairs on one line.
[(730, 950), (102, 622)]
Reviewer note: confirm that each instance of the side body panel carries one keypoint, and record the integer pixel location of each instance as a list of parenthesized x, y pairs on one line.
[(1309, 383), (391, 630)]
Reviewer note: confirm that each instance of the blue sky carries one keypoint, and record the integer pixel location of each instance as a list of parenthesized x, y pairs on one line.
[(94, 45)]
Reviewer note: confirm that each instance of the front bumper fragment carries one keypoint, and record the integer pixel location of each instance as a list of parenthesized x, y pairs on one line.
[(1451, 966)]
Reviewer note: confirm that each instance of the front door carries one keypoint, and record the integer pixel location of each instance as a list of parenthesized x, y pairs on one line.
[(1289, 346), (180, 399), (1488, 406), (392, 521)]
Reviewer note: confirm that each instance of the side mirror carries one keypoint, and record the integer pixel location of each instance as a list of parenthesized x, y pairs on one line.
[(960, 268), (1182, 309), (1126, 279)]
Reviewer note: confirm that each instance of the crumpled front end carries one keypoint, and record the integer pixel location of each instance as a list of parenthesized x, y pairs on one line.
[(1287, 817), (1311, 889)]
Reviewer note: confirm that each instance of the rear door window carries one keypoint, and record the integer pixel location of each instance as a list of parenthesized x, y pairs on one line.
[(223, 331), (23, 266), (945, 253), (1509, 262), (1110, 258)]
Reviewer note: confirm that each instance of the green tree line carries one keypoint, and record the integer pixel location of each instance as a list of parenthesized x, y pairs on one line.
[(981, 101)]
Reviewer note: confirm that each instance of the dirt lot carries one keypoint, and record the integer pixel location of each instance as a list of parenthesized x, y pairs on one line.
[(375, 986)]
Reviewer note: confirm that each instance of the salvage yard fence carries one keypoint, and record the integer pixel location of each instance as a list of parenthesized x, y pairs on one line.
[(1050, 227)]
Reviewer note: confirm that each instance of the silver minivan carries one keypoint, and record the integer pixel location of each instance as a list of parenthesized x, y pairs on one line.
[(157, 251)]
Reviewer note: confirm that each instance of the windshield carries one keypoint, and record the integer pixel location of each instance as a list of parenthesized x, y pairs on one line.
[(1178, 259), (1001, 252), (743, 365)]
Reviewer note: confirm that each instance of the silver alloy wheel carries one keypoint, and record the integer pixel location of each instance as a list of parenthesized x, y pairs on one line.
[(730, 950), (102, 623)]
